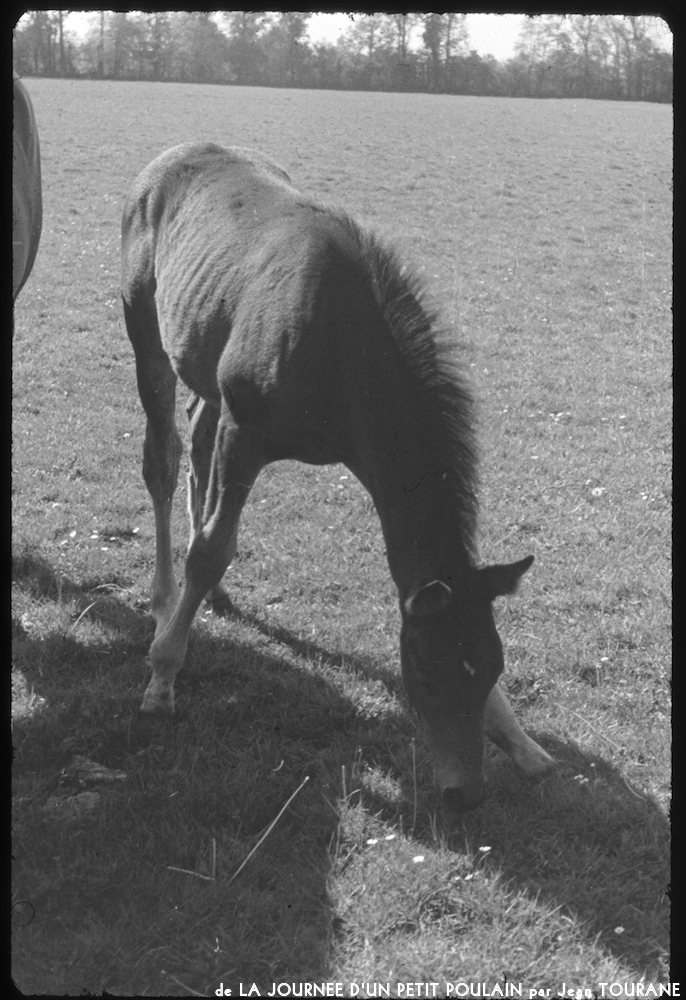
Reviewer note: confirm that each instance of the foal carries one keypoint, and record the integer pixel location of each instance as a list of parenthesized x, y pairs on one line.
[(302, 337)]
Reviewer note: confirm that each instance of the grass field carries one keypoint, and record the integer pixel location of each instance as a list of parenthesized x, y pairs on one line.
[(544, 232)]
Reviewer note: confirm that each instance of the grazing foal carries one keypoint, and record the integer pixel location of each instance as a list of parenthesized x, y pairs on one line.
[(301, 337)]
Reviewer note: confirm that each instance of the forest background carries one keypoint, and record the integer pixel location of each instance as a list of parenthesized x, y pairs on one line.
[(608, 57)]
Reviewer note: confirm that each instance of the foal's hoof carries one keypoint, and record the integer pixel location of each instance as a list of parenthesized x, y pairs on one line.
[(158, 700), (540, 763), (220, 602)]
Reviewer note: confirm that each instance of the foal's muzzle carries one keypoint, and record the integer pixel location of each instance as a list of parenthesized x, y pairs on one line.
[(459, 800)]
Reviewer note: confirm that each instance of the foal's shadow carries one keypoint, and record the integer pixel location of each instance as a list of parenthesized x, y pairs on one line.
[(367, 666)]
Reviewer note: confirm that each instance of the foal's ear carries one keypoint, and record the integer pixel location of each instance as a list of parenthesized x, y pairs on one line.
[(500, 580), (428, 600)]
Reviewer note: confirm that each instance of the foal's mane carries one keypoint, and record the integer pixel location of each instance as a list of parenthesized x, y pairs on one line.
[(430, 355)]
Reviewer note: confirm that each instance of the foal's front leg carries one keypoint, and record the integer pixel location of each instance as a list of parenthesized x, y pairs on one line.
[(164, 594), (236, 461), (161, 458), (502, 727)]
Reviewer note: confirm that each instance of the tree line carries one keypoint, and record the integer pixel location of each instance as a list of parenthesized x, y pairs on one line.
[(611, 57)]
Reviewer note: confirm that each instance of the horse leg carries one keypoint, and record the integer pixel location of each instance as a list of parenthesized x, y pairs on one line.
[(502, 727), (236, 461), (161, 451), (202, 429)]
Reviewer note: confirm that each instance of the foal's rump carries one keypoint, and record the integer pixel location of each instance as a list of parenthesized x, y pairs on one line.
[(185, 222)]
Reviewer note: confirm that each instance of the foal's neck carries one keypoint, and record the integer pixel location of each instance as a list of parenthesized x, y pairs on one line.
[(412, 483)]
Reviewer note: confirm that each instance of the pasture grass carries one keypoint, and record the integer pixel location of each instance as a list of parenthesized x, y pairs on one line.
[(544, 232)]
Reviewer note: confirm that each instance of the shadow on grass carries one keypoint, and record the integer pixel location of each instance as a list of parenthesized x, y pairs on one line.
[(133, 881), (69, 630), (367, 666), (594, 845), (582, 839), (38, 580), (251, 724)]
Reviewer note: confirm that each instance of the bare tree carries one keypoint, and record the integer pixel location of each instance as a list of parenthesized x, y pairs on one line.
[(200, 50), (157, 53), (366, 35), (246, 56), (284, 44), (397, 28), (445, 38), (456, 35)]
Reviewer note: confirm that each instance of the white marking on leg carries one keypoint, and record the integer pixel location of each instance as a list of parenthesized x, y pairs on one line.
[(502, 727), (168, 652)]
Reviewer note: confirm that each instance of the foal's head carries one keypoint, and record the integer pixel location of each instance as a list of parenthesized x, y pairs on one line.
[(451, 657)]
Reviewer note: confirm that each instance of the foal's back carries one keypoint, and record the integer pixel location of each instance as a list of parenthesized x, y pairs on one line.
[(219, 246), (257, 294), (206, 222)]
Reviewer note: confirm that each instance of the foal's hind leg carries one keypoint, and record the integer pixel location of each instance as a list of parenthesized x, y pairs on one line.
[(236, 461), (202, 429), (161, 451)]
